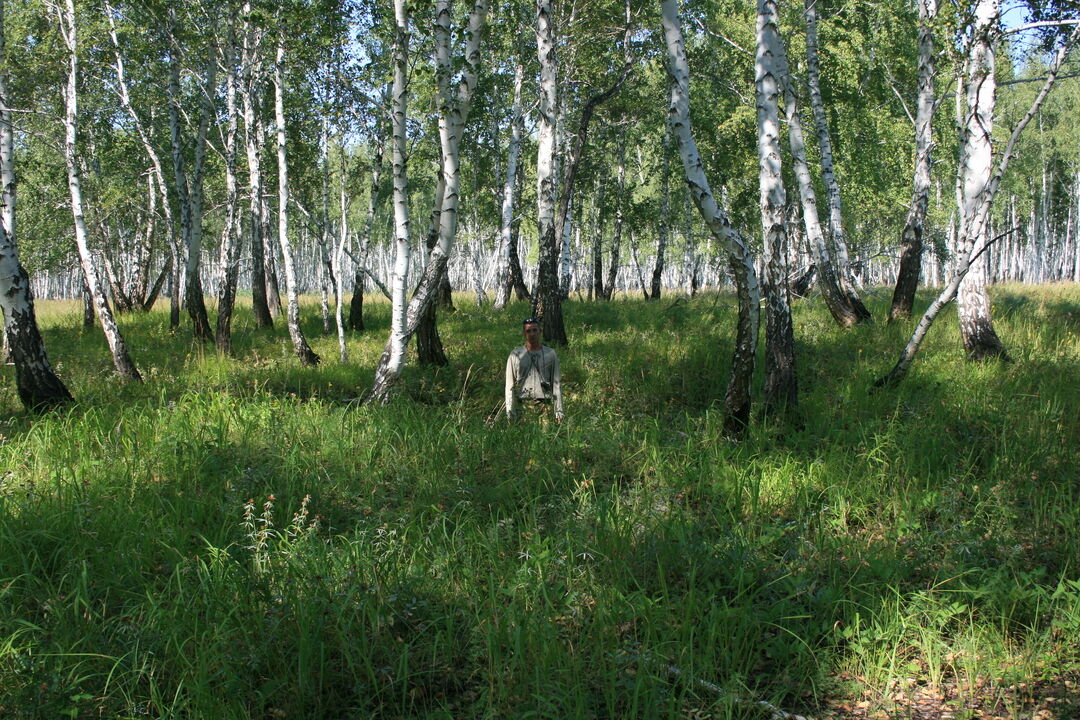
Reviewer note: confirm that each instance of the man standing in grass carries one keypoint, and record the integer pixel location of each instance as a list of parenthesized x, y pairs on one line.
[(532, 375)]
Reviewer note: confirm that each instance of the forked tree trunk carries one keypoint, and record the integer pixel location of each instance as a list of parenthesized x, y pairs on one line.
[(121, 359), (547, 298), (911, 243), (842, 267), (303, 351), (189, 193), (454, 111), (737, 400), (781, 387), (831, 292), (155, 182)]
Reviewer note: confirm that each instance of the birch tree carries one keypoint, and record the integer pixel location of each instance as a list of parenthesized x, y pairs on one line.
[(665, 215), (454, 112), (157, 179), (303, 351), (978, 181), (189, 190), (842, 269), (780, 375), (976, 160), (507, 241), (65, 15), (547, 296), (230, 237), (831, 292), (911, 244), (254, 141), (737, 400), (36, 383)]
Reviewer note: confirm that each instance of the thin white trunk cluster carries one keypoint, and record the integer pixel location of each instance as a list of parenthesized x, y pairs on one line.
[(454, 112)]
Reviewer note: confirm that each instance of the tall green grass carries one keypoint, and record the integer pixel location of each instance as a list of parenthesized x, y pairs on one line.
[(239, 538)]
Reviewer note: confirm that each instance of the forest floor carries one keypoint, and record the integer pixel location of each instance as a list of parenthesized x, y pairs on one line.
[(241, 538)]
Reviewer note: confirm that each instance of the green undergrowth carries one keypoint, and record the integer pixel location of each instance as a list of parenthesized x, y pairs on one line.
[(242, 538)]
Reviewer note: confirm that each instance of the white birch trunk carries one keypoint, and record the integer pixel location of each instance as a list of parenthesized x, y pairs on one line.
[(976, 159), (303, 351), (506, 216), (121, 359), (780, 375), (737, 400), (831, 291), (911, 250), (37, 385), (842, 269), (230, 236), (393, 358), (454, 111), (547, 297)]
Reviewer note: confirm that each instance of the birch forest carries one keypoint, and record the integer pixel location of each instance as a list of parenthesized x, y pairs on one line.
[(810, 269), (281, 150)]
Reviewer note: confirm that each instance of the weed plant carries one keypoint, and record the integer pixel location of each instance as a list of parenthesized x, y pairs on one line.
[(240, 538)]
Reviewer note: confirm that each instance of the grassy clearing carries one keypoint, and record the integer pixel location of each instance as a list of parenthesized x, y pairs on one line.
[(236, 538)]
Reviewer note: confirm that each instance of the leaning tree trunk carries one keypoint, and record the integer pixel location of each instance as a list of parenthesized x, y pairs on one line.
[(37, 385), (547, 298), (429, 347), (156, 180), (835, 299), (781, 387), (506, 217), (737, 399), (303, 351), (976, 187), (842, 267), (911, 244), (121, 359)]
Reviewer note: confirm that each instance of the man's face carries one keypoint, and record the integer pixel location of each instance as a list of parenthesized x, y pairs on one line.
[(531, 331)]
